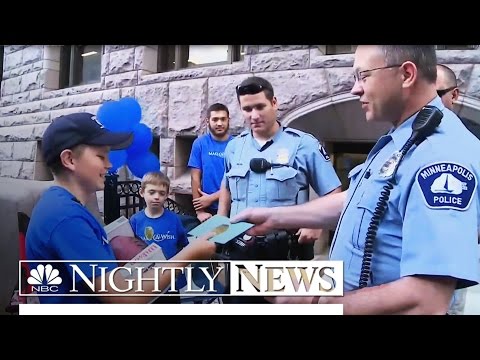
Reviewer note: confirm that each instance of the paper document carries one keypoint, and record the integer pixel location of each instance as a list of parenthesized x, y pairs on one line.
[(222, 227), (119, 227)]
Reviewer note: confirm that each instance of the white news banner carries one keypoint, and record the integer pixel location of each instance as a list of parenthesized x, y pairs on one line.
[(180, 309)]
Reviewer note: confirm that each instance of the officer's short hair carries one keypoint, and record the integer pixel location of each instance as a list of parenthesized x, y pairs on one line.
[(423, 56), (449, 75), (254, 85)]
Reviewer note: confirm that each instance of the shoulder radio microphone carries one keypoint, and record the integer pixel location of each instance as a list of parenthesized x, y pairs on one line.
[(260, 165)]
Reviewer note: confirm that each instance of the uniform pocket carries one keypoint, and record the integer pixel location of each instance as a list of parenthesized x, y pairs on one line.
[(238, 182), (282, 184), (368, 203), (354, 172)]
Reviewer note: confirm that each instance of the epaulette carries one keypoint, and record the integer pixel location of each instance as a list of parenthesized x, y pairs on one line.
[(294, 131)]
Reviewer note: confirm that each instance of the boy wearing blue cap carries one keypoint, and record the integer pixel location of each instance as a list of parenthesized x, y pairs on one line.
[(75, 148)]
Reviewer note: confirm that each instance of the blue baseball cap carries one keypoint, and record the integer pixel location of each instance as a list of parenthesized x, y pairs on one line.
[(71, 130)]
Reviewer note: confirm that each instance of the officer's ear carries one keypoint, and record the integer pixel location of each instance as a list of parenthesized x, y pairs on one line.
[(455, 94), (274, 103), (409, 74)]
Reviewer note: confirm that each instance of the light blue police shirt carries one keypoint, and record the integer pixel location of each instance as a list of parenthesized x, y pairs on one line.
[(301, 161), (430, 226)]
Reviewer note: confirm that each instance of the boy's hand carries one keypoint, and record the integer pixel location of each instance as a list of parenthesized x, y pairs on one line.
[(202, 248)]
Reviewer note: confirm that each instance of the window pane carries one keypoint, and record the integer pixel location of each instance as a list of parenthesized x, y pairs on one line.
[(241, 49), (207, 54), (65, 59), (166, 58), (457, 47), (340, 49), (91, 56)]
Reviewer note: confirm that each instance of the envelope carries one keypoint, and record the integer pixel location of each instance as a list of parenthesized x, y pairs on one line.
[(222, 226)]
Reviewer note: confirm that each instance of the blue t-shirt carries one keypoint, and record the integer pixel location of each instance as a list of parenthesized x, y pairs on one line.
[(61, 228), (208, 156), (167, 231)]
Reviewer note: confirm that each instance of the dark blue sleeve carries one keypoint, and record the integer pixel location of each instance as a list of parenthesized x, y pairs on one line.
[(133, 224), (181, 234), (195, 160), (75, 239)]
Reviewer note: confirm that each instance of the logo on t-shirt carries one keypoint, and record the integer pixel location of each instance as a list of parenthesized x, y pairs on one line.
[(216, 153), (149, 235)]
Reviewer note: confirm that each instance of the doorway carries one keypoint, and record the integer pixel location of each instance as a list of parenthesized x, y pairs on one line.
[(347, 155)]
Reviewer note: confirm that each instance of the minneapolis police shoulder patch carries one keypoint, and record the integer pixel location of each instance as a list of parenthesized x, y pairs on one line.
[(447, 185), (324, 153)]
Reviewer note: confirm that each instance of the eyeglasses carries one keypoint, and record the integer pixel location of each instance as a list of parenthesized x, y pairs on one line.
[(357, 76), (444, 91), (251, 89)]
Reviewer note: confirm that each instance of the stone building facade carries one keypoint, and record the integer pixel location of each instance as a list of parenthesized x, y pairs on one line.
[(311, 84)]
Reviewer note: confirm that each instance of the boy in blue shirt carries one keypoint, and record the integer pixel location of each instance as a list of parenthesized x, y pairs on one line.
[(160, 225), (76, 148), (207, 162)]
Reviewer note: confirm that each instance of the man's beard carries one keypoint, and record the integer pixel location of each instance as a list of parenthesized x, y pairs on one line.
[(214, 132)]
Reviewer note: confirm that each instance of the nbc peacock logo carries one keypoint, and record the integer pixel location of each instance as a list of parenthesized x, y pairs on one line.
[(44, 278)]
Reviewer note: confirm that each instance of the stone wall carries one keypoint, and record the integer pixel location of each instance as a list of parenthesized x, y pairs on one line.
[(173, 103)]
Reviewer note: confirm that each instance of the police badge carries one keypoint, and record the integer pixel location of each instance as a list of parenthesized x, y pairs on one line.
[(282, 156), (390, 165)]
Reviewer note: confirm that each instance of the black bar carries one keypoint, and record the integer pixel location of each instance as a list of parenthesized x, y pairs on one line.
[(111, 199)]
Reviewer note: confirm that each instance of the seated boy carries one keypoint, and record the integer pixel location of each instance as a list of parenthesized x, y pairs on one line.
[(76, 148), (160, 225)]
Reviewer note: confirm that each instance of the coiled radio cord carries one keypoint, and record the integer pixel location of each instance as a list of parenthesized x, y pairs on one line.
[(423, 126)]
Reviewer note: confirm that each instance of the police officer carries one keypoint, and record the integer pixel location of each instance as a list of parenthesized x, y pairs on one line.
[(426, 244), (295, 160), (448, 92)]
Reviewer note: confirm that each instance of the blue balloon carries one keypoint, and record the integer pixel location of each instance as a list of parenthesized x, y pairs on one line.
[(142, 140), (140, 164), (106, 114), (132, 110), (121, 115), (118, 158)]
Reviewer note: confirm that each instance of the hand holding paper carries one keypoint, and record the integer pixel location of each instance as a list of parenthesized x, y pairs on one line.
[(222, 227)]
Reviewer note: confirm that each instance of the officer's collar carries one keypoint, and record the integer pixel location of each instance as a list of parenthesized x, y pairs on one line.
[(401, 134), (275, 136)]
